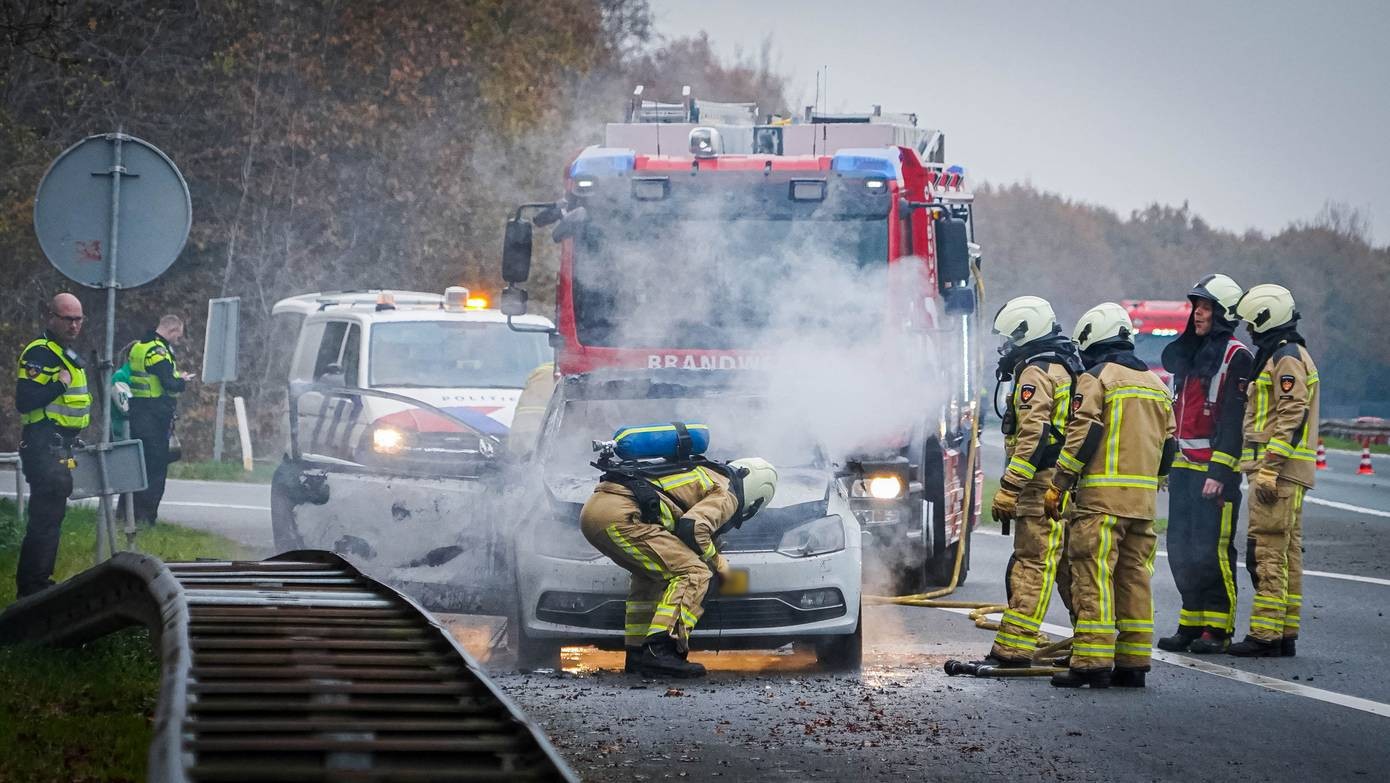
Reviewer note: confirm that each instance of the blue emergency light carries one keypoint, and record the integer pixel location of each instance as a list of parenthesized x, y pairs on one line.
[(867, 162), (598, 161)]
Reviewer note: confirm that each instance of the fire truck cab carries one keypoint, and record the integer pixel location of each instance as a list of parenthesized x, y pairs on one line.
[(1156, 323)]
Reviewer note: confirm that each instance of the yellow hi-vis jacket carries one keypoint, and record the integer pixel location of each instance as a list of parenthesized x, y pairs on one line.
[(700, 495), (1281, 417), (144, 356), (1041, 401), (1119, 441), (72, 409)]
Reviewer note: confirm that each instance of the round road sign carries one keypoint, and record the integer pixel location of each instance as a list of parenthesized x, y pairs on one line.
[(72, 213)]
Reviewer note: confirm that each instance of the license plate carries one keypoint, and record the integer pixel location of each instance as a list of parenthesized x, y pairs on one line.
[(736, 583)]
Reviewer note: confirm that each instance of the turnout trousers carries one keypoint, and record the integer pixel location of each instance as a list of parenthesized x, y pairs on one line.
[(1029, 581), (1274, 556), (668, 580), (1202, 553), (1112, 563)]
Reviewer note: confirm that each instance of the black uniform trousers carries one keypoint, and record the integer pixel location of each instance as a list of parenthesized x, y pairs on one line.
[(1202, 551), (43, 454), (150, 422)]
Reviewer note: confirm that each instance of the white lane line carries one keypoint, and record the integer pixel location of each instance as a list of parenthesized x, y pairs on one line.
[(1238, 675), (1345, 506), (1370, 580), (181, 503)]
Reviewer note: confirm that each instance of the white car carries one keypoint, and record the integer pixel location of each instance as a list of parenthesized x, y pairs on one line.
[(802, 554)]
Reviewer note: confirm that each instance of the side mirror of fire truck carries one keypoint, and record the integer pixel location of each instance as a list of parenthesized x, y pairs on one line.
[(953, 270), (516, 251), (513, 301)]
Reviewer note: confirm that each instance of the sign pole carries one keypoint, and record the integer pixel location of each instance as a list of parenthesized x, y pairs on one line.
[(217, 422), (106, 531)]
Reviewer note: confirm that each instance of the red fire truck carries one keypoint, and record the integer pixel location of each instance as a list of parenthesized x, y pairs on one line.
[(686, 241), (1156, 323)]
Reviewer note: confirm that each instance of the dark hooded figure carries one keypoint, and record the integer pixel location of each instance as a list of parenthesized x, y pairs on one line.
[(1211, 369)]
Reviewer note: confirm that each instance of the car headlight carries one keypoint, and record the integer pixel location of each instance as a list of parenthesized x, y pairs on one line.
[(563, 541), (816, 537), (878, 488), (387, 440)]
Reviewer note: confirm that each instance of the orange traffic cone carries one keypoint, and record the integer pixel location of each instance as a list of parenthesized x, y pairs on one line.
[(1365, 469), (1322, 456)]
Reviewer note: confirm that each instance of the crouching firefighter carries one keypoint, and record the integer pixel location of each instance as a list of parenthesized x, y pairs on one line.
[(1211, 369), (1119, 444), (657, 512), (1043, 364)]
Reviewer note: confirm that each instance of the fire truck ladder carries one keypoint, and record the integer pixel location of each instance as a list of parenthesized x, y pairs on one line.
[(295, 668)]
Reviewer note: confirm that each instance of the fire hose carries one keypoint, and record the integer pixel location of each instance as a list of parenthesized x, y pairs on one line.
[(979, 610)]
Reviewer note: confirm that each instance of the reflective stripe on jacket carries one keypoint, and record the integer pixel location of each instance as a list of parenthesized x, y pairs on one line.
[(143, 356), (1281, 418), (73, 408)]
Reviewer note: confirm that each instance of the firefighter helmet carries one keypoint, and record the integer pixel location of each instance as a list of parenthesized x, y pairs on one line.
[(1105, 321), (758, 480), (1266, 306), (1024, 319), (1221, 290)]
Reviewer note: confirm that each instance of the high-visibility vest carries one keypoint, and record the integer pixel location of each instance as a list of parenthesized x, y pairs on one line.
[(144, 355), (71, 409), (1198, 406)]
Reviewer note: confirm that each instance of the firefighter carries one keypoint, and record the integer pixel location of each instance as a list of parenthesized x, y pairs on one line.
[(1119, 444), (1281, 426), (55, 405), (1211, 368), (154, 380), (1042, 361), (661, 529)]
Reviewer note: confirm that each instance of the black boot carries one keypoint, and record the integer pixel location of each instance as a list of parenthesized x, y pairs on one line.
[(1210, 644), (1075, 678), (1255, 648), (1179, 641), (1288, 646), (659, 658), (630, 659), (1128, 678)]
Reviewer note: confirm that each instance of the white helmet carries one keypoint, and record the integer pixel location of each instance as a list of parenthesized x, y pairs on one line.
[(1024, 319), (759, 483), (1221, 290), (1105, 321), (1266, 306)]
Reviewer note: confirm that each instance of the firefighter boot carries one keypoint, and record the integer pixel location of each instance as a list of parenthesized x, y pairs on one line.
[(991, 659), (1255, 648), (1075, 678), (1128, 678), (659, 658), (1288, 646), (1179, 641), (630, 659), (1209, 644)]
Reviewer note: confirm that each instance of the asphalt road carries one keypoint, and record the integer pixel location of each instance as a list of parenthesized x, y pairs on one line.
[(774, 716)]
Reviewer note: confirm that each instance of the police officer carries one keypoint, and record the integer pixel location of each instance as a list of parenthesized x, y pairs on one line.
[(670, 553), (1042, 363), (154, 379), (54, 405), (1281, 426), (1211, 369), (1119, 443)]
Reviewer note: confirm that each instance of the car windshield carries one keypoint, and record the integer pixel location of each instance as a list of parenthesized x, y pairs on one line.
[(739, 427), (713, 284), (454, 354), (1149, 348)]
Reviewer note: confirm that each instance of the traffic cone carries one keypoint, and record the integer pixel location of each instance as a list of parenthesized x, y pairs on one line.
[(1365, 469), (1322, 456)]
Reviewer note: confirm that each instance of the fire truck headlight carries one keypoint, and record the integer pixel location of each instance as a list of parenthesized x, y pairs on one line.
[(387, 440), (885, 487)]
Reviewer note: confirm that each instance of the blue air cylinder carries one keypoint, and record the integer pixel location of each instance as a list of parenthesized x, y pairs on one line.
[(661, 441)]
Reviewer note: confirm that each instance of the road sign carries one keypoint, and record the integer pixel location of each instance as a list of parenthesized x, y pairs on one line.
[(72, 213), (124, 469), (220, 343)]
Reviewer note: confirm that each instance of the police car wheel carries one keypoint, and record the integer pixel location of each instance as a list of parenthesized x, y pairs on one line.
[(843, 653)]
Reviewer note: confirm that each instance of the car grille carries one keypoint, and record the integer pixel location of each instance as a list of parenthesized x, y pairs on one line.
[(770, 610)]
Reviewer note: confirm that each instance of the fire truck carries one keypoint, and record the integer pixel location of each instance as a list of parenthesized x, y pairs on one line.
[(690, 245), (1156, 323)]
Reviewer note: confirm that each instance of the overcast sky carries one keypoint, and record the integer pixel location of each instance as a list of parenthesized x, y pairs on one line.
[(1255, 113)]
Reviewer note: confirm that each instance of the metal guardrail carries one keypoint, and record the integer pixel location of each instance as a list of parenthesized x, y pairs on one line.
[(295, 668), (1366, 432), (12, 458)]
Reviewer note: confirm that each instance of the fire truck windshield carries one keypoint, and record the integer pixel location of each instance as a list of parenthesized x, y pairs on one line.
[(677, 282)]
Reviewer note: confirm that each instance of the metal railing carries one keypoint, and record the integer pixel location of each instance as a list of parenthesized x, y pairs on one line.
[(1363, 431)]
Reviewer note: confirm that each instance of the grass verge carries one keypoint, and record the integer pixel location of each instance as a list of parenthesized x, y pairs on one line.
[(83, 714), (1347, 444), (221, 471)]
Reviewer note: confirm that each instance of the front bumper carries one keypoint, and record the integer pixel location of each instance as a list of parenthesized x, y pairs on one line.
[(789, 598)]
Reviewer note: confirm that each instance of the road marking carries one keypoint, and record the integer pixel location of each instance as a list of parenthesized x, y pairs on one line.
[(1346, 506), (1370, 580), (1239, 675)]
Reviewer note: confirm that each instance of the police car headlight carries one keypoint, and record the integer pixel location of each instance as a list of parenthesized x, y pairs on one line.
[(387, 440), (817, 537)]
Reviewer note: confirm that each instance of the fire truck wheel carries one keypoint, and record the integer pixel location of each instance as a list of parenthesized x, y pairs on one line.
[(939, 568)]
